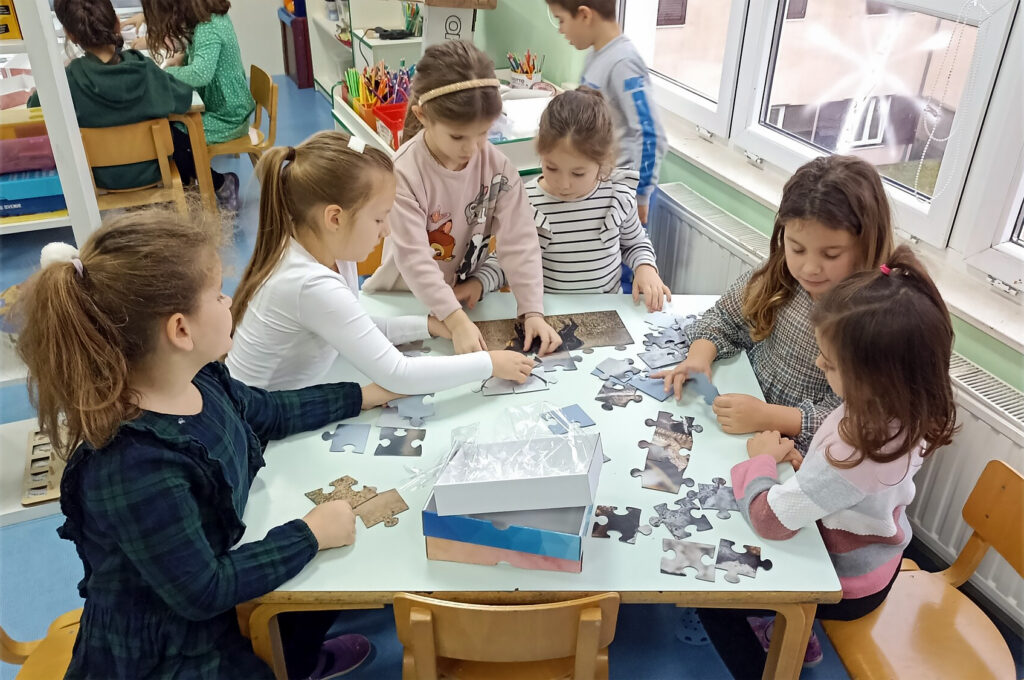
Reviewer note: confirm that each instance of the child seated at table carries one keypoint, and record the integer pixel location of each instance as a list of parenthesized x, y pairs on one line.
[(585, 211), (324, 206), (112, 86), (833, 220), (885, 341), (121, 342)]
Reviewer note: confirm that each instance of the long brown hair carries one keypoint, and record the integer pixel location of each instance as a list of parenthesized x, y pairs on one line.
[(447, 63), (581, 117), (297, 183), (892, 339), (82, 335), (90, 23), (175, 21), (840, 192)]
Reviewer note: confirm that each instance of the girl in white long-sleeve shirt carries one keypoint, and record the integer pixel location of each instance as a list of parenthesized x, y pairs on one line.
[(324, 206)]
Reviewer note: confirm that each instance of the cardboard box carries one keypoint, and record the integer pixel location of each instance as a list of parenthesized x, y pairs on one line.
[(469, 553), (555, 532), (572, 486)]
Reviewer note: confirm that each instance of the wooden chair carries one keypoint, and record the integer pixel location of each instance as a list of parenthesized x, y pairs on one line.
[(927, 628), (372, 261), (148, 140), (46, 658), (254, 142), (492, 642)]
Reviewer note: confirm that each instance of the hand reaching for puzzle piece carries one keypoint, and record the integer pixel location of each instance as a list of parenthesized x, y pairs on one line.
[(333, 524)]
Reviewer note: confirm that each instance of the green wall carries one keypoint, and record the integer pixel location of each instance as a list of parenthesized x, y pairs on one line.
[(518, 25)]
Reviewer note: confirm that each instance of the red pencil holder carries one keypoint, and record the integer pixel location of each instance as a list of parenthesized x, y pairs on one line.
[(391, 122)]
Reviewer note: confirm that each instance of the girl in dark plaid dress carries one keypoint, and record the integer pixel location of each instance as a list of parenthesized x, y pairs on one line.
[(122, 342)]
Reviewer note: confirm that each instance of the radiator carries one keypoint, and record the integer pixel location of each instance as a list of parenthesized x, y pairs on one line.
[(701, 249)]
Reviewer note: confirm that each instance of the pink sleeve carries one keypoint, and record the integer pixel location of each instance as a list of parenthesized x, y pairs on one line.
[(413, 254), (749, 470), (752, 496), (518, 248)]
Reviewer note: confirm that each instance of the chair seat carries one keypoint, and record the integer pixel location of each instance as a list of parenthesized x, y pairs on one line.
[(925, 629), (51, 658), (238, 145)]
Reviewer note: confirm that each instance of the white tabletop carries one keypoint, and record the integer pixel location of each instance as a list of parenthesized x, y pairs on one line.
[(393, 559)]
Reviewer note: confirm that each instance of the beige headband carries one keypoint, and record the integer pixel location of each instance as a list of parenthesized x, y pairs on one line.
[(458, 87)]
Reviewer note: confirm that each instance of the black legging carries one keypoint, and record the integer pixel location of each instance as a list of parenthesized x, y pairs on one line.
[(739, 647), (302, 634), (185, 162)]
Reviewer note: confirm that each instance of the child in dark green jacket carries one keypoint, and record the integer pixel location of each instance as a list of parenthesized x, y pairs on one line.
[(110, 87)]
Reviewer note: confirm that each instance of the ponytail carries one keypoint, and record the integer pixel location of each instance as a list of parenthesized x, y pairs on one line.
[(92, 23), (86, 323), (297, 183)]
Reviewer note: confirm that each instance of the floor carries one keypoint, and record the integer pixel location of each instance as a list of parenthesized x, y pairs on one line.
[(39, 571)]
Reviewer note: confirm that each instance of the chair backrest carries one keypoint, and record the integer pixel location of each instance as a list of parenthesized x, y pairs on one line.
[(264, 91), (499, 633), (994, 510), (148, 140)]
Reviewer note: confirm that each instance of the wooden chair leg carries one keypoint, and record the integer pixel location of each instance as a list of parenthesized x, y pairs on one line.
[(789, 641), (254, 158)]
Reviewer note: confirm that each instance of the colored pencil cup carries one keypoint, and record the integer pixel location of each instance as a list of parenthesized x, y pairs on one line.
[(521, 81), (391, 122)]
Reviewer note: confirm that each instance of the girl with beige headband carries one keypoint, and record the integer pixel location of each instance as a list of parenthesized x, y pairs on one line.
[(456, 195)]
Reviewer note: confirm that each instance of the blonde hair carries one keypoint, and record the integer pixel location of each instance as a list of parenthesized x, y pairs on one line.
[(297, 182), (840, 192), (82, 334)]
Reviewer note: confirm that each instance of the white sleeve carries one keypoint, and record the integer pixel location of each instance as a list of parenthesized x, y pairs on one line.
[(328, 308), (401, 329)]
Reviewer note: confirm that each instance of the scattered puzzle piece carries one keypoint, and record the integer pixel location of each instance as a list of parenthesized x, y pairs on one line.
[(661, 320), (389, 418), (413, 349), (381, 508), (538, 381), (652, 387), (616, 394), (573, 413), (668, 337), (343, 491), (663, 469), (688, 555), (414, 408), (619, 369), (660, 358), (562, 360), (705, 388), (351, 434), (400, 442), (626, 524), (717, 496), (740, 564), (678, 520)]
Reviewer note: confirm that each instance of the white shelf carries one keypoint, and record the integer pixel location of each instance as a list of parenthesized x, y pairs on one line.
[(345, 116), (13, 440), (378, 42), (328, 27), (12, 47), (12, 225)]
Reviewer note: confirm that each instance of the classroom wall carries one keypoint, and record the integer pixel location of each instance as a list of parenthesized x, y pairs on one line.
[(520, 25), (259, 33)]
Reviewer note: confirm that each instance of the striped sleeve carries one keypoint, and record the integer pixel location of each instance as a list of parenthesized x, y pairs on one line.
[(490, 274), (633, 240)]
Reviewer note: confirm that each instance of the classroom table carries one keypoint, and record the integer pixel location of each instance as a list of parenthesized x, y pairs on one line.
[(387, 560)]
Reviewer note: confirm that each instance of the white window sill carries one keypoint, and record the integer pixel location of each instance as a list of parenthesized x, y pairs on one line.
[(968, 296)]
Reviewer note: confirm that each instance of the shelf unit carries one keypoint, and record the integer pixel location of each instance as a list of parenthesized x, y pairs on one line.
[(40, 44), (331, 57)]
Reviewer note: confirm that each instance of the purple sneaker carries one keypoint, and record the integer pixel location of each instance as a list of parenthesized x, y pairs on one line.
[(763, 627), (227, 195), (340, 655)]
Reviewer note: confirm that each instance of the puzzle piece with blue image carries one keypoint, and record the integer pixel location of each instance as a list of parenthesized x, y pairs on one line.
[(400, 442), (559, 420), (652, 387), (348, 434), (617, 369), (660, 358), (562, 360), (704, 387), (414, 408)]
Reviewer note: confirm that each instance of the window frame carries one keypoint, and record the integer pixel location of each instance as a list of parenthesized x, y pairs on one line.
[(714, 116), (930, 221)]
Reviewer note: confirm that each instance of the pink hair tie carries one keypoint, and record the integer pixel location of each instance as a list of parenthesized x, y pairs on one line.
[(885, 269)]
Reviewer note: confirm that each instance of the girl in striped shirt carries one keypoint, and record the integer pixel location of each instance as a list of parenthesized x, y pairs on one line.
[(586, 213), (885, 341)]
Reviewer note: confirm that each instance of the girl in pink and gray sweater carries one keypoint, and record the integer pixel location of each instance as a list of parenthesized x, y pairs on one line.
[(885, 340), (457, 197)]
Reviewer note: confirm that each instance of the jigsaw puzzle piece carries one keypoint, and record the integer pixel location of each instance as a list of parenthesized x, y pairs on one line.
[(414, 408), (740, 564), (351, 434), (627, 524), (666, 338), (616, 394), (381, 508), (573, 413), (661, 320), (497, 386), (343, 491), (562, 360), (704, 387), (537, 382), (389, 418), (679, 520), (652, 387), (688, 555), (661, 358), (619, 369), (663, 469), (400, 442), (413, 349), (676, 434), (717, 496)]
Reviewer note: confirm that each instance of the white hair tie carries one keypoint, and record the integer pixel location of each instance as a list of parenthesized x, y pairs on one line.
[(356, 144), (59, 253)]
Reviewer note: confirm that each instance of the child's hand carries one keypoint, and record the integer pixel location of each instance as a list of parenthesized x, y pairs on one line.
[(135, 20), (510, 366), (535, 327), (469, 292), (467, 338), (773, 444), (675, 378), (647, 282), (333, 524), (176, 59), (641, 212), (374, 395), (739, 413), (437, 329), (793, 458)]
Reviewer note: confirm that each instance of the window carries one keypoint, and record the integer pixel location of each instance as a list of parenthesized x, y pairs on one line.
[(671, 12), (1018, 231), (796, 9)]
